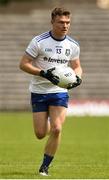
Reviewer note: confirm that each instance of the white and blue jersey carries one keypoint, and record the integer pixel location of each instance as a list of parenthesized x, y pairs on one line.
[(49, 52)]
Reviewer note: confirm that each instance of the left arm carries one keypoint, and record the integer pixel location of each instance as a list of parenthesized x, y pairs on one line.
[(76, 66)]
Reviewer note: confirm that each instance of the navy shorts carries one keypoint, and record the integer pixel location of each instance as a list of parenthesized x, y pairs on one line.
[(41, 102)]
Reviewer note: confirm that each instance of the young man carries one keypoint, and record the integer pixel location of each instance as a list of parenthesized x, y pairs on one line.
[(49, 102)]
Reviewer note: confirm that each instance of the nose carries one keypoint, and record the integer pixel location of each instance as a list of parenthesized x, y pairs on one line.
[(65, 25)]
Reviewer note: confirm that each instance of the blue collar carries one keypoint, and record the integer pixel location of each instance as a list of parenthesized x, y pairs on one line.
[(55, 38)]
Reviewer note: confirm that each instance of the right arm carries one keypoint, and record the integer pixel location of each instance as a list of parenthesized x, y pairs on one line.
[(27, 66)]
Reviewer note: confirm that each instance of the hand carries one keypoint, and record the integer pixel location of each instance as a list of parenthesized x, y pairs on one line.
[(75, 84), (48, 75)]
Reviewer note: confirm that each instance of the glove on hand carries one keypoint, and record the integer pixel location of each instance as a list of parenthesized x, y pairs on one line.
[(48, 75), (75, 84)]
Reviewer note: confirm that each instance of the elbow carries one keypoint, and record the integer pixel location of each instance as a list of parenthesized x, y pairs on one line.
[(21, 66)]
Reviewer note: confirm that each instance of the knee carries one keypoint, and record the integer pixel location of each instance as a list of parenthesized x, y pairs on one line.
[(56, 130), (40, 135)]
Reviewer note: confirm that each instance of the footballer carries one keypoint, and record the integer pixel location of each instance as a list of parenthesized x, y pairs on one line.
[(49, 102)]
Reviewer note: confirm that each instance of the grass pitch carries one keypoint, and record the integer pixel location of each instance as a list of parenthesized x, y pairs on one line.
[(83, 153)]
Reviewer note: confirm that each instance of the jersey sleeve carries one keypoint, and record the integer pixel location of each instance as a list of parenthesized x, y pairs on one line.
[(75, 52), (33, 49)]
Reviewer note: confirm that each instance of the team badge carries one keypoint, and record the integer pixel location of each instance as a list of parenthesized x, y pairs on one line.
[(67, 52)]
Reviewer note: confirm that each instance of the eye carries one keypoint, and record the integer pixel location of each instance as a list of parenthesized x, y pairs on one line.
[(67, 23)]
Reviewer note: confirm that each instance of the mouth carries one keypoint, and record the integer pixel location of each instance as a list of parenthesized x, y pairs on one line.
[(64, 30)]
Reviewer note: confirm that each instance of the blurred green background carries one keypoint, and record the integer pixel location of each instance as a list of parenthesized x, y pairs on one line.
[(83, 153)]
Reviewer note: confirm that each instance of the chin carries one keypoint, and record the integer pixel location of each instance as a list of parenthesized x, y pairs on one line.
[(63, 34)]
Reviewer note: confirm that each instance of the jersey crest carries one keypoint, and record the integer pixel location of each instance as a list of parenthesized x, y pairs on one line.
[(67, 52)]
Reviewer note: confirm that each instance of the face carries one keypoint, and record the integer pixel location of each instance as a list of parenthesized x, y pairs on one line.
[(60, 26)]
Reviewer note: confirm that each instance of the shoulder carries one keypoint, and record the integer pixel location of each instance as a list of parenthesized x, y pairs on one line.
[(41, 37), (72, 41)]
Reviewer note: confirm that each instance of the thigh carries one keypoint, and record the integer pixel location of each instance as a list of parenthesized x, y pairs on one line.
[(57, 115), (40, 122)]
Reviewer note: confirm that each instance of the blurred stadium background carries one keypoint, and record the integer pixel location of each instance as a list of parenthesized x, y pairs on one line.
[(21, 20), (84, 152)]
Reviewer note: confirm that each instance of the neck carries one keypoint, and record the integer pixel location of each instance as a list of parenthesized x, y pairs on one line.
[(57, 36)]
